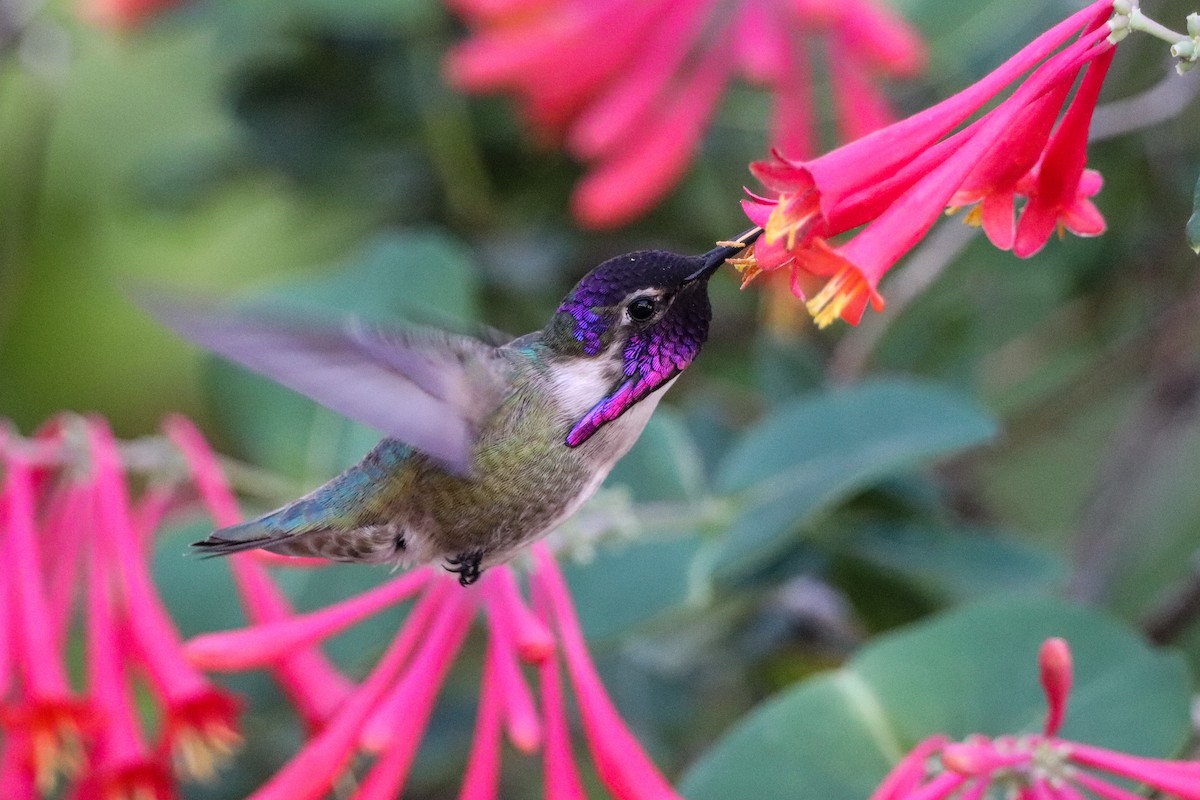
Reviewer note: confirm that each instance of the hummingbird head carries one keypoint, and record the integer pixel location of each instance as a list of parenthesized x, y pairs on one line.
[(647, 314)]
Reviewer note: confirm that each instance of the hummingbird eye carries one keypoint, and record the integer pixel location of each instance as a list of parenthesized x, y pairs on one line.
[(641, 308)]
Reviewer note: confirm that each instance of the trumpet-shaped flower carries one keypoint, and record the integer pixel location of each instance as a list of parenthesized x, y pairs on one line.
[(386, 715), (50, 718), (896, 182), (630, 86), (201, 719), (75, 536), (314, 685), (123, 14), (1036, 765)]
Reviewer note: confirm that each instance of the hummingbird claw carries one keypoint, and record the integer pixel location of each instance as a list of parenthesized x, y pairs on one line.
[(467, 566)]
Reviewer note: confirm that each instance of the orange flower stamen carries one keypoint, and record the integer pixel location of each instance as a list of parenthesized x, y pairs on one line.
[(795, 217), (847, 286)]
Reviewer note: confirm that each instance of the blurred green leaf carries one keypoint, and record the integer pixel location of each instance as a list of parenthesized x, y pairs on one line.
[(625, 586), (970, 671), (957, 564), (367, 16), (809, 454), (418, 275), (786, 369)]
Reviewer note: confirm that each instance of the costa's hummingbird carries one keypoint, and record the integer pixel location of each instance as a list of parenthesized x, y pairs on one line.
[(488, 447)]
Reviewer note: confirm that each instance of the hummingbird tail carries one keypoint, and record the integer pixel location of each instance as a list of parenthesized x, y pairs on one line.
[(239, 538)]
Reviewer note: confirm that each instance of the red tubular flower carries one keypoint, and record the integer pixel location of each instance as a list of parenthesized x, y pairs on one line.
[(1037, 766), (1060, 187), (635, 83), (67, 525), (125, 769), (1054, 666), (48, 715), (897, 180), (314, 685), (395, 727), (269, 642), (385, 716), (481, 781), (653, 159), (517, 708), (201, 720), (129, 635), (8, 626), (16, 780), (992, 186), (623, 765), (906, 775), (559, 771), (315, 769), (123, 14), (75, 538)]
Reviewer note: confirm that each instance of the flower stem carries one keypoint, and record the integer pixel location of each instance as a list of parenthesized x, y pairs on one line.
[(1140, 22)]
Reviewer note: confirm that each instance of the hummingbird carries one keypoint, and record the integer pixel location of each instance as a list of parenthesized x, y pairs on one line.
[(488, 447)]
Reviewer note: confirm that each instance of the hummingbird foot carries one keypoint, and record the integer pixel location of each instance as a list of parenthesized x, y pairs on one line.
[(467, 566)]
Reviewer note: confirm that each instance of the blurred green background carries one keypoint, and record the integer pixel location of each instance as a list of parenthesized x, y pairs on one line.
[(310, 149)]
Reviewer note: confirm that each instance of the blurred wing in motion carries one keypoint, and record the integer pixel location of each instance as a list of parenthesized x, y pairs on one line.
[(427, 388)]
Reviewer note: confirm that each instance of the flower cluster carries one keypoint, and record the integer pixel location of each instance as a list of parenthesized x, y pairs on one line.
[(897, 181), (385, 715), (1037, 765), (629, 86), (76, 548)]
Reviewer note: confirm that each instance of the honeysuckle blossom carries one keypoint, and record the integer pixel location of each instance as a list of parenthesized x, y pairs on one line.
[(897, 181), (48, 719), (314, 685), (386, 714), (1034, 765), (123, 14), (76, 538), (629, 86)]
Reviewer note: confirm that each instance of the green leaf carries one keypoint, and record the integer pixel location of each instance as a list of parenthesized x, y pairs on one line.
[(957, 564), (626, 586), (972, 671), (1193, 223), (423, 276), (426, 276), (786, 369), (819, 450)]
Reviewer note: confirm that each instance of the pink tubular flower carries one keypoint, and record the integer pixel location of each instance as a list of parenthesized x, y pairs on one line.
[(75, 538), (201, 720), (125, 766), (631, 85), (45, 713), (897, 181), (1059, 187), (123, 14), (1034, 766), (314, 685)]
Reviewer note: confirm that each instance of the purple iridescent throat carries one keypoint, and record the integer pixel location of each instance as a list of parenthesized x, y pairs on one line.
[(652, 357)]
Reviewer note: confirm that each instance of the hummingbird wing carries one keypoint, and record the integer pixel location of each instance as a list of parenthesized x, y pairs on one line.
[(425, 387)]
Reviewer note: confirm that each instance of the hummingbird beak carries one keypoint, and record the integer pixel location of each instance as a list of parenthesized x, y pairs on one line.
[(713, 259)]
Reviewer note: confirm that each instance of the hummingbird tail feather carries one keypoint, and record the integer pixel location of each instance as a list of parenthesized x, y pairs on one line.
[(239, 538)]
